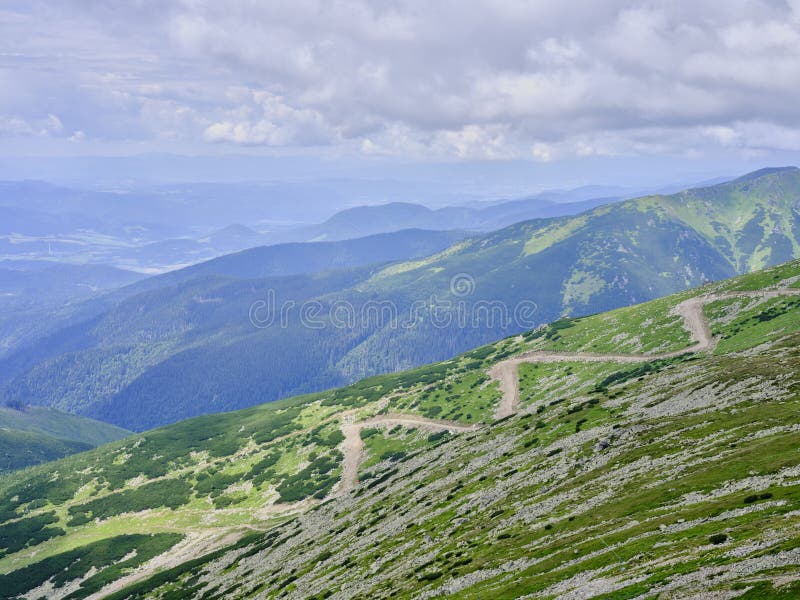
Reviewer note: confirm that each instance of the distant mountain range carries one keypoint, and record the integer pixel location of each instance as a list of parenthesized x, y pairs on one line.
[(368, 220), (184, 344), (164, 228)]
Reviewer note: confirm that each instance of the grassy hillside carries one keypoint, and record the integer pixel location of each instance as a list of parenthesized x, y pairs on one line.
[(20, 449), (190, 338), (637, 459), (35, 435), (46, 421)]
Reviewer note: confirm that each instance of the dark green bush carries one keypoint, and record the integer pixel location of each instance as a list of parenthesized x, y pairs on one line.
[(170, 493), (17, 535), (105, 556), (438, 436), (368, 432), (207, 484), (717, 538)]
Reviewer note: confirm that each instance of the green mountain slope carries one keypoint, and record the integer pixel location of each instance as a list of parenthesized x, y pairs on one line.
[(36, 434), (753, 221), (305, 258), (630, 453), (20, 449), (190, 339)]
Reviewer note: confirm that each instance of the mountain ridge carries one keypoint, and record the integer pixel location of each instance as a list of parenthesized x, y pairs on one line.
[(592, 262)]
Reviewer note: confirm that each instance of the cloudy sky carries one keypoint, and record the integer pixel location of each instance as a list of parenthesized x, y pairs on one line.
[(449, 80)]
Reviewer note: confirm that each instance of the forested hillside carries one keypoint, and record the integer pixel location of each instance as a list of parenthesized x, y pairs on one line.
[(190, 346)]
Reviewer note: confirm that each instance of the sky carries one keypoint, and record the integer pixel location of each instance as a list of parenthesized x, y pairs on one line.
[(706, 85)]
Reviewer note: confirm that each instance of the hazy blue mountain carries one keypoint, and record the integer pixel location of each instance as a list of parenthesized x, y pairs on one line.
[(488, 216), (162, 228), (34, 337), (234, 236), (303, 258), (191, 341), (62, 280)]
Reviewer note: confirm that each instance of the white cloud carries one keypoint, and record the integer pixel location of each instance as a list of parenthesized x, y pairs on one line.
[(266, 119), (12, 125), (486, 78)]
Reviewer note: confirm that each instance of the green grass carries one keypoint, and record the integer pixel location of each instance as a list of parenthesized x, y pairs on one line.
[(391, 445), (545, 382), (468, 397), (110, 558), (433, 507), (34, 435), (767, 321), (645, 328)]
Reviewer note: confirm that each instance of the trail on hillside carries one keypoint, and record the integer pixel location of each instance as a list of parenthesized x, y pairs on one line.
[(352, 450), (506, 373), (353, 446)]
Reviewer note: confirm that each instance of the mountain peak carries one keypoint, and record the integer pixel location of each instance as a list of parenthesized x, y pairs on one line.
[(764, 172)]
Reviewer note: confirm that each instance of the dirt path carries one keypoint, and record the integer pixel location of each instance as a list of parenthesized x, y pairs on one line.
[(353, 450), (506, 373), (196, 543), (353, 446)]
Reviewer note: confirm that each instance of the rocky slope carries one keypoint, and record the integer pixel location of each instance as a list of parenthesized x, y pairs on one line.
[(648, 451)]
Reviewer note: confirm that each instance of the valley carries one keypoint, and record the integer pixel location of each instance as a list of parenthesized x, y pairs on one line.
[(115, 358), (399, 300), (33, 435)]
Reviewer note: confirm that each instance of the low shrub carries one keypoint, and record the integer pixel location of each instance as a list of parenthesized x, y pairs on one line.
[(717, 538)]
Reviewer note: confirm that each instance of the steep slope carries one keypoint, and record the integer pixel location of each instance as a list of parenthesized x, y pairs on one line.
[(34, 435), (260, 262), (192, 337), (20, 449), (31, 292), (305, 258), (753, 221), (644, 450), (165, 307)]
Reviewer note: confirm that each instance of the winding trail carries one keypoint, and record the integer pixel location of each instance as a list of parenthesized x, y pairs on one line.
[(506, 373), (353, 446)]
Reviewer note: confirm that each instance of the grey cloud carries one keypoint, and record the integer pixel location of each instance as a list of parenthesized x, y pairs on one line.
[(493, 78)]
